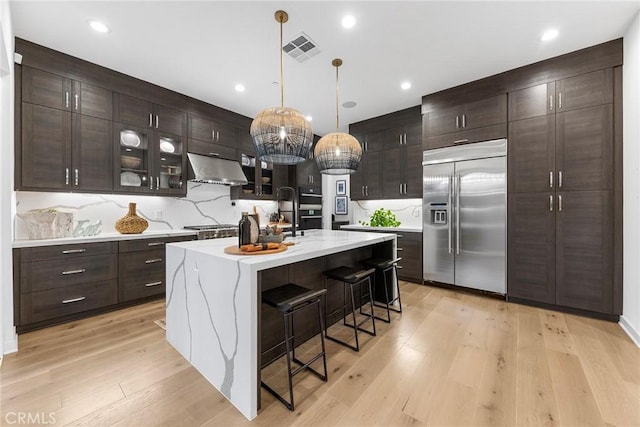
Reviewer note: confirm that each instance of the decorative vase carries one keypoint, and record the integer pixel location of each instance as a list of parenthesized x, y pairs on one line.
[(131, 223)]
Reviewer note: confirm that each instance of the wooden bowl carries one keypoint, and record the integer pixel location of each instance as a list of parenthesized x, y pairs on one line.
[(130, 162)]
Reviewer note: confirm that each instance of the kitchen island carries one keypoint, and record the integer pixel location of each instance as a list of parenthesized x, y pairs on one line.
[(214, 315)]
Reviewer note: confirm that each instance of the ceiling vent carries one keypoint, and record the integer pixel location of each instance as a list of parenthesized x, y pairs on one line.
[(301, 48)]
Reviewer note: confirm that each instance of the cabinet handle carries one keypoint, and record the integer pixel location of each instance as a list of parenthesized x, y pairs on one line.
[(399, 266), (449, 209), (155, 244), (68, 272), (66, 100), (158, 182), (153, 261), (405, 138), (400, 188), (400, 139), (460, 141), (66, 176), (464, 120), (157, 121), (150, 120), (366, 145), (559, 202), (148, 285), (559, 100), (76, 100), (150, 183), (77, 177), (74, 251), (550, 203), (559, 179), (217, 135), (399, 236), (550, 179), (550, 102), (366, 190), (213, 135), (405, 188), (458, 179), (69, 301), (214, 154), (399, 249)]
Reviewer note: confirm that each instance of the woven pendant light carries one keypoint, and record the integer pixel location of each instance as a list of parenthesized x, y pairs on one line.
[(337, 153), (281, 135)]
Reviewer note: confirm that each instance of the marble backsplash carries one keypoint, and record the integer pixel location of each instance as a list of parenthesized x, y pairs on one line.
[(204, 204), (407, 211)]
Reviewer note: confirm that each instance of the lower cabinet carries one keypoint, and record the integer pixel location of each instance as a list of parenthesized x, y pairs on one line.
[(54, 284)]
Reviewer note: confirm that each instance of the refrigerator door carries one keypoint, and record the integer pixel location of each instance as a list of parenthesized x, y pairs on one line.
[(480, 219), (438, 254)]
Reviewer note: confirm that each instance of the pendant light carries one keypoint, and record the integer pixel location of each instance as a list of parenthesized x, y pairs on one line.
[(281, 135), (337, 153)]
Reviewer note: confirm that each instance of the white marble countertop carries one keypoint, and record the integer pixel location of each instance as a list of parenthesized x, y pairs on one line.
[(104, 237), (369, 228), (314, 243)]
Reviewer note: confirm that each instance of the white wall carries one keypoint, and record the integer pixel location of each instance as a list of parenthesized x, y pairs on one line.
[(630, 319), (8, 338)]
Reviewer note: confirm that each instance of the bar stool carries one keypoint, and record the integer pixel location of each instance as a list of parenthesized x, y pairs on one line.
[(350, 278), (384, 266), (289, 299)]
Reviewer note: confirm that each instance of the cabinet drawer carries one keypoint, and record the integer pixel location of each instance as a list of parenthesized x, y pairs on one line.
[(473, 135), (43, 305), (67, 251), (146, 244), (42, 275), (142, 274)]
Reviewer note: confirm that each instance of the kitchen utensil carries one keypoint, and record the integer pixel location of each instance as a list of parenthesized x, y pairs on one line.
[(130, 162), (130, 179), (129, 138), (166, 146), (265, 179)]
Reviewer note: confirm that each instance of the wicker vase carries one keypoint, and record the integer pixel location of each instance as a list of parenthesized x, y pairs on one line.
[(131, 223)]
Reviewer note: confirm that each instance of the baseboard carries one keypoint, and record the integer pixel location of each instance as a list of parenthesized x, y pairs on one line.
[(633, 334), (11, 345)]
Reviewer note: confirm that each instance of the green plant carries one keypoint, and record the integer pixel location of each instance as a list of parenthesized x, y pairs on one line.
[(382, 218)]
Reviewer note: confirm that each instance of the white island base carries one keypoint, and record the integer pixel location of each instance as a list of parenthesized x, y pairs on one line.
[(213, 300)]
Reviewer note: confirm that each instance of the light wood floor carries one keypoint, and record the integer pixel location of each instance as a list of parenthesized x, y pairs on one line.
[(450, 359)]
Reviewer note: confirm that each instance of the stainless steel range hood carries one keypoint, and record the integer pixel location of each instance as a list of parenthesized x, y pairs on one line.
[(213, 170)]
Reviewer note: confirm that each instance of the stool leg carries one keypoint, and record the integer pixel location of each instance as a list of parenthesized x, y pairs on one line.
[(324, 353), (355, 324), (397, 283), (373, 318), (386, 297), (290, 406)]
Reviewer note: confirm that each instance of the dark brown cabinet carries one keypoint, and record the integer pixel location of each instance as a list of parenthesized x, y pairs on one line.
[(467, 122), (307, 172), (402, 172), (561, 193), (410, 250), (144, 114), (148, 161), (212, 131), (366, 182)]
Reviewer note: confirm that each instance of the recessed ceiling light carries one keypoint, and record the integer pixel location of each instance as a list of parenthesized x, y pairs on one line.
[(349, 104), (99, 26), (348, 21), (405, 85), (549, 35), (309, 118), (240, 87)]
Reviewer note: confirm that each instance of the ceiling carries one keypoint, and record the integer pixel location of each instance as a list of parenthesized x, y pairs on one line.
[(204, 48)]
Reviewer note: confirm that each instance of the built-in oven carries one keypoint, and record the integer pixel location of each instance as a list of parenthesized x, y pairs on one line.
[(310, 207)]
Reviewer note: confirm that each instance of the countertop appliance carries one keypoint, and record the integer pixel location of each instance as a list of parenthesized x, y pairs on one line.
[(213, 231), (464, 215)]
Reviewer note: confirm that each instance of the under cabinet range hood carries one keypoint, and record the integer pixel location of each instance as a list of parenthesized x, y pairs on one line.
[(214, 170)]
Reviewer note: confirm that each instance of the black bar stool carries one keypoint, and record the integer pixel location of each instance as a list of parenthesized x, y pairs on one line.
[(350, 278), (385, 266), (288, 299)]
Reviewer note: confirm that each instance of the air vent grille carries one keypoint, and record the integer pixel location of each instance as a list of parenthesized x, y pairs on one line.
[(301, 48)]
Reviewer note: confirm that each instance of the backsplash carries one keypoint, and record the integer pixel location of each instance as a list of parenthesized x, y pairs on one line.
[(204, 204), (407, 211)]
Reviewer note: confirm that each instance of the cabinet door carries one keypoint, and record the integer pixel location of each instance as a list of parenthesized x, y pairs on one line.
[(132, 159), (392, 137), (168, 165), (169, 120), (584, 148), (372, 141), (443, 120), (531, 247), (485, 112), (45, 89), (392, 173), (46, 147), (356, 181), (585, 250), (586, 90), (133, 111), (213, 150), (200, 129), (410, 250), (532, 154), (412, 166), (372, 177), (92, 101), (92, 151), (413, 133), (532, 102)]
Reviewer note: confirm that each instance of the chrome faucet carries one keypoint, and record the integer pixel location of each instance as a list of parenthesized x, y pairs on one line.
[(294, 213)]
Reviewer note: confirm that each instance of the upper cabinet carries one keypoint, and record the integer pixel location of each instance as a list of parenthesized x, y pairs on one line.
[(307, 172), (65, 135), (467, 122), (141, 113)]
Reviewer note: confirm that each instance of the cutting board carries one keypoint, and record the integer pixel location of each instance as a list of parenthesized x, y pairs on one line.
[(234, 250)]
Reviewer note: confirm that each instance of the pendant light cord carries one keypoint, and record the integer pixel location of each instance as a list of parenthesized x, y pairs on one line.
[(281, 69), (337, 103)]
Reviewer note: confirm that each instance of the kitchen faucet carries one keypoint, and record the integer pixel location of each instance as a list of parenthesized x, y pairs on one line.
[(293, 214)]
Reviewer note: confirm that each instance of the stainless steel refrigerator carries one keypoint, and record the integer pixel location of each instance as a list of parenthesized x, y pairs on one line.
[(464, 215)]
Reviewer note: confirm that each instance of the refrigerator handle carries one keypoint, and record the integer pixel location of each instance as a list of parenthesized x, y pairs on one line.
[(450, 201), (458, 215)]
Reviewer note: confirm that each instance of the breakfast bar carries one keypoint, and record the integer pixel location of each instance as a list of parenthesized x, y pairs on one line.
[(214, 316)]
